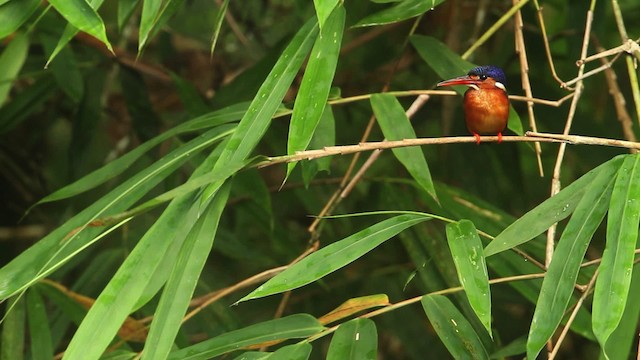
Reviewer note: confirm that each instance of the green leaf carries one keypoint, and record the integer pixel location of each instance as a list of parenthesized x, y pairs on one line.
[(83, 15), (222, 11), (395, 125), (11, 61), (13, 326), (403, 10), (299, 351), (325, 135), (15, 13), (356, 339), (155, 13), (552, 210), (258, 117), (39, 332), (448, 64), (73, 236), (624, 337), (65, 69), (127, 286), (468, 256), (612, 286), (324, 8), (182, 281), (289, 327), (116, 167), (316, 83), (454, 330), (335, 256), (558, 284), (125, 10)]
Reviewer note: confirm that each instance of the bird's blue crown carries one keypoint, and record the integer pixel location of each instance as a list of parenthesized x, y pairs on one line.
[(490, 71)]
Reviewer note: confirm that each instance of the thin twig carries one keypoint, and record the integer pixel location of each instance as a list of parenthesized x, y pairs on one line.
[(547, 48), (526, 84)]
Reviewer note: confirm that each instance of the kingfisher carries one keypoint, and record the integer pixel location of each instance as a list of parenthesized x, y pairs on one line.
[(486, 104)]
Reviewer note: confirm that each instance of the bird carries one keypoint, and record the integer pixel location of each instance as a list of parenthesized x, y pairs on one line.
[(486, 103)]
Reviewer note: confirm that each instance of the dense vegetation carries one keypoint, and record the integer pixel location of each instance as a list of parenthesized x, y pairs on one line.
[(159, 200)]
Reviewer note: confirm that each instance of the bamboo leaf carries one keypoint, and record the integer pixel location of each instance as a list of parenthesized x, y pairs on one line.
[(83, 16), (468, 256), (552, 210), (289, 327), (11, 61), (335, 256), (155, 13), (396, 126), (14, 13), (300, 351), (454, 330), (558, 284), (354, 306), (316, 83), (356, 339), (403, 10), (182, 281), (612, 286), (324, 9), (222, 11), (39, 332), (13, 327)]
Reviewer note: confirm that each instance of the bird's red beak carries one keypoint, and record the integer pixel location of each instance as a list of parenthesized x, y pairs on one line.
[(461, 80)]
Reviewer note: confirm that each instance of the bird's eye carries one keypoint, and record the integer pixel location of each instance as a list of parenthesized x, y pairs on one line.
[(482, 77)]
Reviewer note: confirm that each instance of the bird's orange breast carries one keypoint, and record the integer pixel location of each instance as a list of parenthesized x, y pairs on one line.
[(486, 111)]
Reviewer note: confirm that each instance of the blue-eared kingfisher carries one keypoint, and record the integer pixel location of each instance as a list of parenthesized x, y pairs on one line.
[(486, 104)]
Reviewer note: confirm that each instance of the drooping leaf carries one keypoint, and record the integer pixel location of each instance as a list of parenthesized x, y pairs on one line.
[(468, 256), (405, 9), (356, 339), (552, 210), (316, 82), (39, 332), (395, 125), (612, 286), (182, 281), (222, 11), (83, 16), (155, 13), (335, 256), (289, 327), (65, 69), (11, 61), (12, 342), (453, 329), (324, 9), (15, 13), (353, 306), (560, 280)]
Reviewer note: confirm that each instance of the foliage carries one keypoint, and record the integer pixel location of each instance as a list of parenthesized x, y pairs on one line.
[(145, 188)]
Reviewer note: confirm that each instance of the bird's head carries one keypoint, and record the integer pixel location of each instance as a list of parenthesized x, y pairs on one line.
[(481, 77)]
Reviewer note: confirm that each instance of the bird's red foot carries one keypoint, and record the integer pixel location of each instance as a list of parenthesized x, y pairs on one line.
[(477, 138), (499, 137)]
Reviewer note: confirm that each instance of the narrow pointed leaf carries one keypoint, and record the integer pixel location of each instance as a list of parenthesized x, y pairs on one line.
[(127, 286), (289, 327), (403, 10), (552, 210), (335, 256), (356, 339), (395, 125), (83, 16), (125, 10), (155, 13), (354, 306), (454, 330), (11, 61), (612, 285), (468, 256), (73, 236), (325, 135), (222, 11), (559, 282), (39, 332), (122, 163), (448, 64), (324, 9), (299, 351), (65, 69), (316, 83), (12, 342), (182, 281), (15, 13)]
